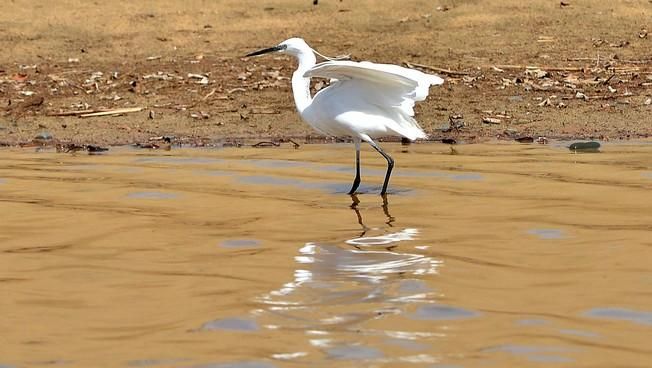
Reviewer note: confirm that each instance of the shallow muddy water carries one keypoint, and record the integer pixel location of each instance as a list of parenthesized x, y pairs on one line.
[(503, 255)]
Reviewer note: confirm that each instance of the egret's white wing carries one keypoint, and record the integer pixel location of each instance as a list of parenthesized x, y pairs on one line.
[(391, 88), (406, 82)]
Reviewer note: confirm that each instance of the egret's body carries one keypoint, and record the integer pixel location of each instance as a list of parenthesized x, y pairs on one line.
[(364, 100)]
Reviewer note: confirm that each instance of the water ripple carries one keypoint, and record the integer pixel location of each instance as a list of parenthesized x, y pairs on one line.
[(353, 352), (246, 364), (541, 354), (437, 312), (230, 324), (152, 195), (240, 243), (621, 314), (335, 188), (178, 160), (547, 234)]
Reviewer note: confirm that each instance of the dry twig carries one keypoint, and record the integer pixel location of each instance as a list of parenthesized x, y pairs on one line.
[(125, 110), (434, 69)]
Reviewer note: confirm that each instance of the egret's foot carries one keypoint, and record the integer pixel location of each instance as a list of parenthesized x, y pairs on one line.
[(356, 184), (383, 192)]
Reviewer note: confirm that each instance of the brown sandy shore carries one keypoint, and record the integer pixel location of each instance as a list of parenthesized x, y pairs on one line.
[(513, 68)]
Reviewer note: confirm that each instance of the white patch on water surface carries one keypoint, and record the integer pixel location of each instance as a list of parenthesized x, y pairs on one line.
[(406, 234)]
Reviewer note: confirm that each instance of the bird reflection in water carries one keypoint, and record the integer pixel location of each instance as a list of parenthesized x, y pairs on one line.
[(340, 286), (354, 207)]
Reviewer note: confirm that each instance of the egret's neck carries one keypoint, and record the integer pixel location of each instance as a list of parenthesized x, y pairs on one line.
[(301, 85)]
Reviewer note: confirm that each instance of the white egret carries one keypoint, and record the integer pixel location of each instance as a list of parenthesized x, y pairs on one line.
[(364, 100)]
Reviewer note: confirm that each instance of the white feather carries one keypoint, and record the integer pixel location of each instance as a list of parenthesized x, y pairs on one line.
[(382, 94)]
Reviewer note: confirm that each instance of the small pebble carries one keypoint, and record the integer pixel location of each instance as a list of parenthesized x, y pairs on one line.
[(585, 147)]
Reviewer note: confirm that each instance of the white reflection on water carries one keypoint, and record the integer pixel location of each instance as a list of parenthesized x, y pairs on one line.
[(406, 234), (357, 298), (340, 286), (327, 271)]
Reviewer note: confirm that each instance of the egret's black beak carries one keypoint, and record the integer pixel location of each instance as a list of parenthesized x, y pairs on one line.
[(265, 51)]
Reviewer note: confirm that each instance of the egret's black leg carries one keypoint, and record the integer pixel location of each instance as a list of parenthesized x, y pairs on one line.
[(390, 165), (356, 181)]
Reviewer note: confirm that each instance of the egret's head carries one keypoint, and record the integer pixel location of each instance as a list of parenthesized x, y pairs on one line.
[(292, 46), (295, 46)]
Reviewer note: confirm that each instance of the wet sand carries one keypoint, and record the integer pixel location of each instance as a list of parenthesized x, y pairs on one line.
[(501, 255)]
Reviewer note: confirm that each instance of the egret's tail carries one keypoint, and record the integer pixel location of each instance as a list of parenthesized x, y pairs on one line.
[(414, 132), (435, 80)]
